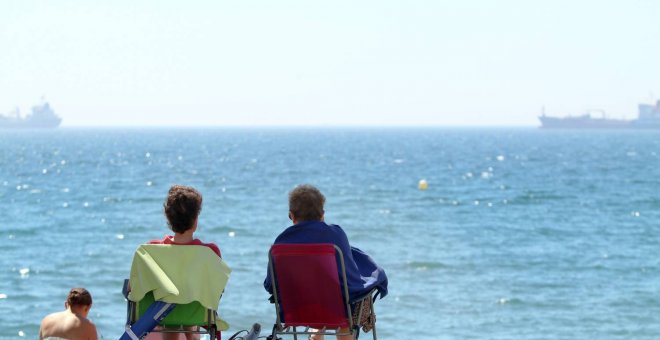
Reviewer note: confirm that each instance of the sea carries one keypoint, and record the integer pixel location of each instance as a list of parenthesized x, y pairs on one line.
[(521, 234)]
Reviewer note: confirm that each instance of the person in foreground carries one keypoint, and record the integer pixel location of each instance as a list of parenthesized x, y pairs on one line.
[(182, 207), (307, 214), (72, 323)]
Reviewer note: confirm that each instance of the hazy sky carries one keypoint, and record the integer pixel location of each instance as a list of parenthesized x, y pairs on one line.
[(353, 62)]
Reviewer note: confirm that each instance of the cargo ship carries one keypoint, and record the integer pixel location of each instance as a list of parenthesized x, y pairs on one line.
[(648, 118), (41, 116)]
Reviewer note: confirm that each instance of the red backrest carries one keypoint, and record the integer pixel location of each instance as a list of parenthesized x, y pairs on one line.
[(308, 285)]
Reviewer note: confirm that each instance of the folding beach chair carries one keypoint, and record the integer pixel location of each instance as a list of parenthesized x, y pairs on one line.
[(310, 294), (150, 316), (173, 288)]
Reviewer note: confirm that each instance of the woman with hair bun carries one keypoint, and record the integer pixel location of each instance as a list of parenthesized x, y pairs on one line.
[(72, 323)]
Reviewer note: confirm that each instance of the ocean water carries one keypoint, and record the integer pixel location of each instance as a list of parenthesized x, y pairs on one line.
[(522, 233)]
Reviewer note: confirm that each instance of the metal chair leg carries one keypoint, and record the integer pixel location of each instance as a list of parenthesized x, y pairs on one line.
[(373, 315)]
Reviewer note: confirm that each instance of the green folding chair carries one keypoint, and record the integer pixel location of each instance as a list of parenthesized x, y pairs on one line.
[(179, 319), (191, 278)]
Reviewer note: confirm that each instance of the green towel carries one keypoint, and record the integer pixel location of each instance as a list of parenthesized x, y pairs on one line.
[(178, 274)]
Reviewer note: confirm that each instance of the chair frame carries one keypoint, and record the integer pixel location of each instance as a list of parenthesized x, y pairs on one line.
[(353, 329), (132, 317)]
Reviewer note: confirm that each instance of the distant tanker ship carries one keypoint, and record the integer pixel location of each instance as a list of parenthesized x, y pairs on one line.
[(648, 118), (42, 116)]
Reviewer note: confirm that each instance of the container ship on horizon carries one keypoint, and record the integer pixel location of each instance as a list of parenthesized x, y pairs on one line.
[(41, 116), (648, 118)]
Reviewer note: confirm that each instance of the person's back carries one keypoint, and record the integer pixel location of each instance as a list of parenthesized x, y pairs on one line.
[(182, 208), (307, 214), (71, 323)]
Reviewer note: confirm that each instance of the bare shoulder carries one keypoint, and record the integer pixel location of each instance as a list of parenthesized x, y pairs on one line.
[(90, 329), (52, 317), (49, 322)]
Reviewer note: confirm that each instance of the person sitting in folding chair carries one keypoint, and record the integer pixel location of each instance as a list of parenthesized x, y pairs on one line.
[(362, 274), (163, 269)]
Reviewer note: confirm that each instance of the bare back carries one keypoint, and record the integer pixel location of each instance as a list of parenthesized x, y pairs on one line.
[(67, 325)]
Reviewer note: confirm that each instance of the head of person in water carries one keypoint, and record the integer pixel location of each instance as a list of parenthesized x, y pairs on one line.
[(79, 301), (182, 207), (306, 204)]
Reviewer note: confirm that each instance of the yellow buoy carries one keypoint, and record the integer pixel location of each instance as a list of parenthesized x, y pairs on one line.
[(423, 184)]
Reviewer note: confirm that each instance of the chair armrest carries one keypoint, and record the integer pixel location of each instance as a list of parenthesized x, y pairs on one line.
[(126, 288), (372, 293)]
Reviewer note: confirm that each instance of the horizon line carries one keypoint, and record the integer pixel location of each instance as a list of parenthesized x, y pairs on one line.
[(302, 126)]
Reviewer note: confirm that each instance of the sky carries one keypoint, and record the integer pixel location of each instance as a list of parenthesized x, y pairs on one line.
[(328, 63)]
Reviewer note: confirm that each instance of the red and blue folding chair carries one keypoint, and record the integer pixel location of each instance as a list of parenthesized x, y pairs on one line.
[(310, 291)]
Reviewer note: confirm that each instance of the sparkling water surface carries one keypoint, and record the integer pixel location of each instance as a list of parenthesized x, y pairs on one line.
[(521, 234)]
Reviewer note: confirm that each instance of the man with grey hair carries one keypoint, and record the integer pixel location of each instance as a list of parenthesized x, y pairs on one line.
[(306, 212)]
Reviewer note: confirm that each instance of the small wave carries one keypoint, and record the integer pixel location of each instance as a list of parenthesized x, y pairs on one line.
[(536, 196), (509, 301), (425, 265), (111, 199)]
